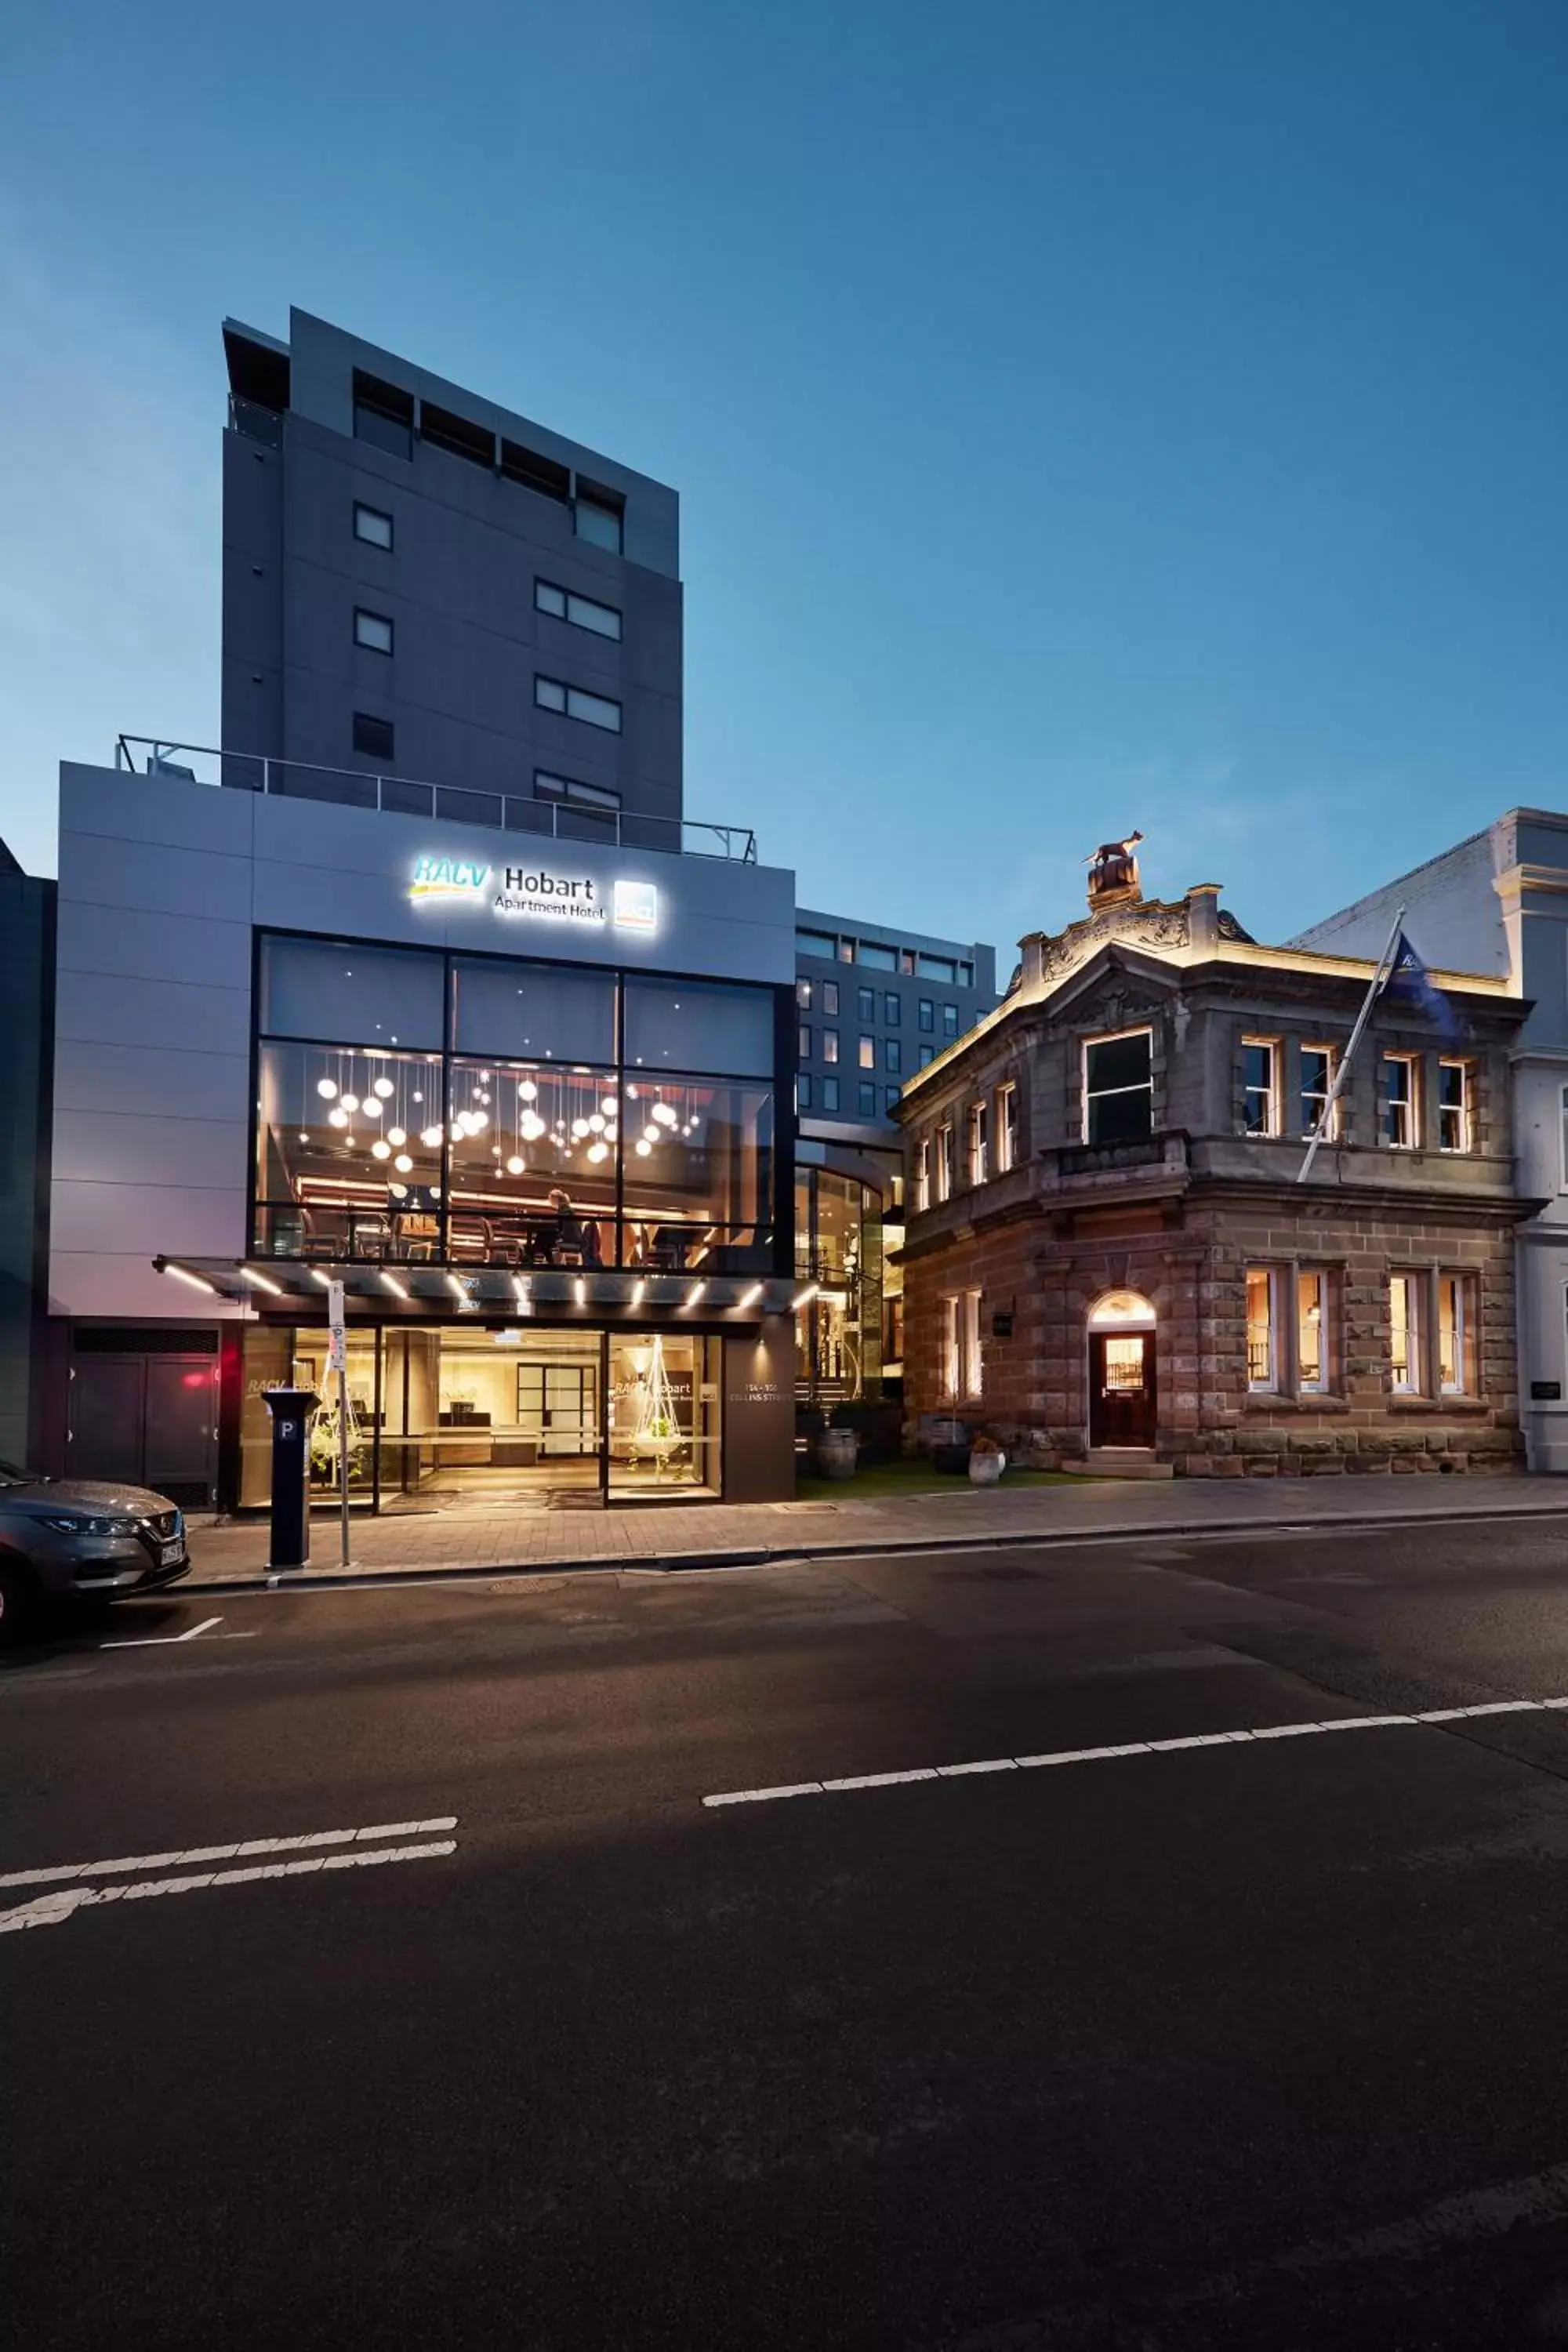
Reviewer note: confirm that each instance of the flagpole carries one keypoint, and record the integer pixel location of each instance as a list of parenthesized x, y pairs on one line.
[(1336, 1086)]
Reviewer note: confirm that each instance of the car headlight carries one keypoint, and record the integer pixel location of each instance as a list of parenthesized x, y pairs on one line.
[(70, 1526)]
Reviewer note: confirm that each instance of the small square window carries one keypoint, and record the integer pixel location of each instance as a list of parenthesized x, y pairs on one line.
[(548, 599), (949, 1020), (927, 1014), (374, 527), (830, 1045), (549, 693), (598, 517), (867, 1053), (830, 998), (373, 736), (928, 1056), (373, 631), (803, 1042), (892, 1055)]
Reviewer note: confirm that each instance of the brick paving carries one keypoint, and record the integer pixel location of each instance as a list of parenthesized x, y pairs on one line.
[(479, 1536)]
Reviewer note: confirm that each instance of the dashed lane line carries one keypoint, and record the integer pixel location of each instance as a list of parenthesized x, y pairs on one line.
[(62, 1903), (238, 1850), (859, 1780)]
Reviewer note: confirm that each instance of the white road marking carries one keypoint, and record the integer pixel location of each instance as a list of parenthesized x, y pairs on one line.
[(51, 1910), (162, 1641), (1134, 1748), (125, 1864)]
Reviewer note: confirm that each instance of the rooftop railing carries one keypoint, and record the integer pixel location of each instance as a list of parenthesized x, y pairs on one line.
[(200, 763)]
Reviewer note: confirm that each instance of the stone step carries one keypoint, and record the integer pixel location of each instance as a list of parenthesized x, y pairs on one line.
[(1118, 1462)]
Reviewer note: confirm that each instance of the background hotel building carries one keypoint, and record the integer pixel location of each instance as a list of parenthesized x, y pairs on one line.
[(873, 1004)]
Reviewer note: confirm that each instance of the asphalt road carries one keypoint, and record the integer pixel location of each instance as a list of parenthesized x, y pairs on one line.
[(1259, 2042)]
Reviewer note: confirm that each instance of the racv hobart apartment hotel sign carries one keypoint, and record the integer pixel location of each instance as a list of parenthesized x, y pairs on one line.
[(530, 1100), (632, 906)]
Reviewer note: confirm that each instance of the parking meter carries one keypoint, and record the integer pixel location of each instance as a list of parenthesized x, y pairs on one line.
[(292, 1411)]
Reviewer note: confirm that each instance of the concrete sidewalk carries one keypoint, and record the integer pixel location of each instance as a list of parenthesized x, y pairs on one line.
[(472, 1538)]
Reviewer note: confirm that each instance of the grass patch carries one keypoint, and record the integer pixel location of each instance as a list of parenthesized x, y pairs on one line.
[(875, 1480)]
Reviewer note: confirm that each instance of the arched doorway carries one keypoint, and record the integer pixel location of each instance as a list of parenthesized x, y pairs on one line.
[(1121, 1397)]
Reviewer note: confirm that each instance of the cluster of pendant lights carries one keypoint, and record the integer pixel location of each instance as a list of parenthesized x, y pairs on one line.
[(597, 1133)]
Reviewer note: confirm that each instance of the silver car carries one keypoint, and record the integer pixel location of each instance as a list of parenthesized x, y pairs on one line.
[(75, 1539)]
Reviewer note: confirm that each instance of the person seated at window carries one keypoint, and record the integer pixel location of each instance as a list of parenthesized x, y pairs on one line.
[(576, 1242)]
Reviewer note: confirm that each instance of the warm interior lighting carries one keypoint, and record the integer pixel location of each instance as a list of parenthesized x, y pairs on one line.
[(750, 1296), (260, 1281), (393, 1285), (196, 1281), (324, 1280), (639, 1291), (579, 1291), (805, 1298), (694, 1294), (455, 1286)]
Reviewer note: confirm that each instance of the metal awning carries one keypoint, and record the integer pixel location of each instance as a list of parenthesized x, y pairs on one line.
[(374, 1293)]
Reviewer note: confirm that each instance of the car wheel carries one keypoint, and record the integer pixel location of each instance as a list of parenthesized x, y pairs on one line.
[(18, 1601)]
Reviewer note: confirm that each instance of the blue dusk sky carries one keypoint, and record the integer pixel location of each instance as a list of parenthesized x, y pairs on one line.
[(1087, 413)]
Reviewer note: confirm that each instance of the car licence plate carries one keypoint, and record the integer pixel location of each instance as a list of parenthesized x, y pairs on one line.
[(170, 1552)]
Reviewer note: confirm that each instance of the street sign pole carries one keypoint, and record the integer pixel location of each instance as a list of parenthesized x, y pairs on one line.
[(338, 1361)]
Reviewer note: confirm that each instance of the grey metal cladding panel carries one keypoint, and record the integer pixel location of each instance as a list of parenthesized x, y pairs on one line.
[(252, 502), (94, 1007), (121, 1219), (96, 1282), (160, 881), (93, 1076), (252, 609), (161, 810), (142, 1148), (252, 708), (121, 939)]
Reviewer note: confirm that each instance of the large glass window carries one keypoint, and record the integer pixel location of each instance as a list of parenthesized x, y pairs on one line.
[(531, 1164), (666, 1403), (699, 1026), (544, 1011), (698, 1164), (376, 996), (1119, 1087), (515, 1138), (348, 1153)]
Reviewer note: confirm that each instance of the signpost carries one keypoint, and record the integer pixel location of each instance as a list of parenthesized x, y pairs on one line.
[(338, 1361)]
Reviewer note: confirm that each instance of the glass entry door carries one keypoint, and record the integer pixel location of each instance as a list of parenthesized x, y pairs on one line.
[(666, 1415)]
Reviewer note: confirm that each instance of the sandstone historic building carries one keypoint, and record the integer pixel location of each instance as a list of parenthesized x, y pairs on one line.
[(1107, 1244)]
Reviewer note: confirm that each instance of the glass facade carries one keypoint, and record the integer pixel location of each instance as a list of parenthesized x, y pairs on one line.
[(420, 1107), (839, 1249), (443, 1410)]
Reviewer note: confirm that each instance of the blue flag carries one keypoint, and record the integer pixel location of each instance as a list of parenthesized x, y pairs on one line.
[(1409, 983)]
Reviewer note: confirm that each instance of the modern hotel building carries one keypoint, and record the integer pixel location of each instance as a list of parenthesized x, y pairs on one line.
[(531, 1103)]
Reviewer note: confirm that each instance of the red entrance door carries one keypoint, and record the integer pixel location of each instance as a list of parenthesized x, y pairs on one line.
[(1122, 1388)]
